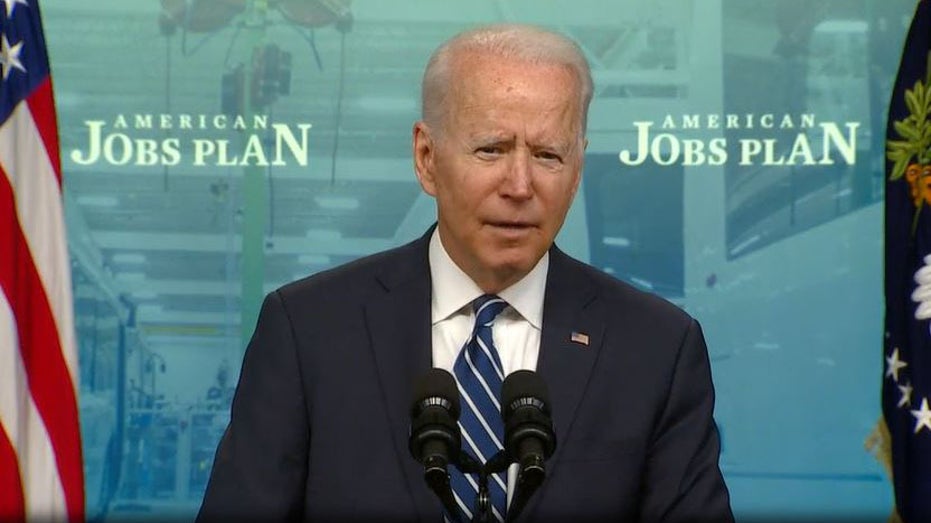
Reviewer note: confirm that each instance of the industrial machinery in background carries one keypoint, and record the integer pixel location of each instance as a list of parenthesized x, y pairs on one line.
[(270, 68), (158, 457)]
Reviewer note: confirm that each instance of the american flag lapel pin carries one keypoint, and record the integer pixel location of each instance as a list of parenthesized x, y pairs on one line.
[(579, 337)]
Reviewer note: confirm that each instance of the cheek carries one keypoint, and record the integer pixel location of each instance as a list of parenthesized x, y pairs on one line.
[(458, 206), (558, 198), (468, 193)]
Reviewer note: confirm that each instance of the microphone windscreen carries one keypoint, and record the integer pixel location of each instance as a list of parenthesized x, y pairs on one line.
[(436, 383), (524, 384)]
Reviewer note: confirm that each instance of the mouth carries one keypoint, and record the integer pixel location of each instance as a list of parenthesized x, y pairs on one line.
[(516, 225), (511, 228)]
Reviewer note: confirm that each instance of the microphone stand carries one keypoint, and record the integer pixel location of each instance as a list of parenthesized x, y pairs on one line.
[(437, 478), (468, 465), (529, 477), (526, 484)]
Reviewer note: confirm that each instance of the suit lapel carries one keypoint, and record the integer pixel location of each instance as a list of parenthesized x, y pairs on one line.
[(399, 323), (565, 364), (398, 319)]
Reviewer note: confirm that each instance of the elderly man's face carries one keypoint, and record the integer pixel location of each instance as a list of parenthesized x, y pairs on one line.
[(505, 166)]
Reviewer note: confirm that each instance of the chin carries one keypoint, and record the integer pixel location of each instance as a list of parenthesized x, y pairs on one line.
[(507, 263)]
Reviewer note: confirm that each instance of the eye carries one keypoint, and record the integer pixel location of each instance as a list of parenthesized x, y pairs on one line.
[(487, 151), (548, 156)]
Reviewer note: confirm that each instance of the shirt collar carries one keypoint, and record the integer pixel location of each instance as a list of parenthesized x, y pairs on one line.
[(453, 289)]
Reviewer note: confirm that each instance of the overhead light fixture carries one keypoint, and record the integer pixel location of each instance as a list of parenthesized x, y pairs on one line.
[(96, 200), (744, 244), (337, 203), (314, 259), (766, 345), (324, 234), (129, 257), (616, 241)]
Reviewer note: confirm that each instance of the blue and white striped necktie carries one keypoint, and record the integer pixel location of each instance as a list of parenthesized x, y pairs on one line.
[(479, 374)]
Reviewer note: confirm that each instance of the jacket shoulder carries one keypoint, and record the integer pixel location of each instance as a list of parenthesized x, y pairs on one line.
[(362, 276), (622, 297)]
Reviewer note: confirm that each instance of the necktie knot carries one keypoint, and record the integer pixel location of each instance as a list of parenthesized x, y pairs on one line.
[(487, 308)]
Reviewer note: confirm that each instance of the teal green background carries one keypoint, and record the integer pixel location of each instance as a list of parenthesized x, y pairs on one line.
[(780, 263)]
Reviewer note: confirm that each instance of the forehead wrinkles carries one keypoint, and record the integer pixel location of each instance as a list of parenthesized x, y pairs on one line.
[(478, 122), (510, 98)]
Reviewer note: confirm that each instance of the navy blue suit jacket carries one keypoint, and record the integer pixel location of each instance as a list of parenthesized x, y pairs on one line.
[(319, 425)]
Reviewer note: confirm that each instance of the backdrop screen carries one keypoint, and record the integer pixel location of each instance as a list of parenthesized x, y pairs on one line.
[(214, 150)]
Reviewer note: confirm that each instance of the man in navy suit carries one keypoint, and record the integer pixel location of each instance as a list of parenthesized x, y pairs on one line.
[(319, 426)]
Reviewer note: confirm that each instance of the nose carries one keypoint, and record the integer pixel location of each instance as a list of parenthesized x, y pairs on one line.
[(518, 180)]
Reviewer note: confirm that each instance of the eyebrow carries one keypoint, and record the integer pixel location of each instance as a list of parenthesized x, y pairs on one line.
[(486, 139), (491, 138)]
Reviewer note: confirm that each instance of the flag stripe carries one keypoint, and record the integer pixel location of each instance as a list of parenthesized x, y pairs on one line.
[(42, 107), (12, 505), (12, 392), (38, 349), (29, 440), (37, 199), (46, 370)]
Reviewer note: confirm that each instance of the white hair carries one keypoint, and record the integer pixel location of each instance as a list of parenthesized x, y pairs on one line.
[(526, 43)]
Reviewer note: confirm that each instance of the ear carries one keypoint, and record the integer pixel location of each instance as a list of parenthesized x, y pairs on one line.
[(424, 150)]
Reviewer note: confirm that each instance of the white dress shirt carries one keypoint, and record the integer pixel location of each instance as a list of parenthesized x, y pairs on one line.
[(516, 330)]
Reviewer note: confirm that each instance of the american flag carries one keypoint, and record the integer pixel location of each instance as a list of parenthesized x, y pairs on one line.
[(579, 337), (41, 474), (906, 388)]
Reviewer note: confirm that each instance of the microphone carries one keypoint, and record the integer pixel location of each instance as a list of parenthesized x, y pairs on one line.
[(434, 434), (528, 432)]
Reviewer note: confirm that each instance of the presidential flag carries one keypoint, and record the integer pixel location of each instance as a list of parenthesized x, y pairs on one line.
[(41, 474), (906, 390)]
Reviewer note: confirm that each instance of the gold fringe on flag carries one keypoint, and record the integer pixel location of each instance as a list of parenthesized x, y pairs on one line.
[(879, 444)]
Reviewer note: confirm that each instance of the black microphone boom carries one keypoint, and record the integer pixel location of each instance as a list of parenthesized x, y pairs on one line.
[(435, 436), (528, 432)]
